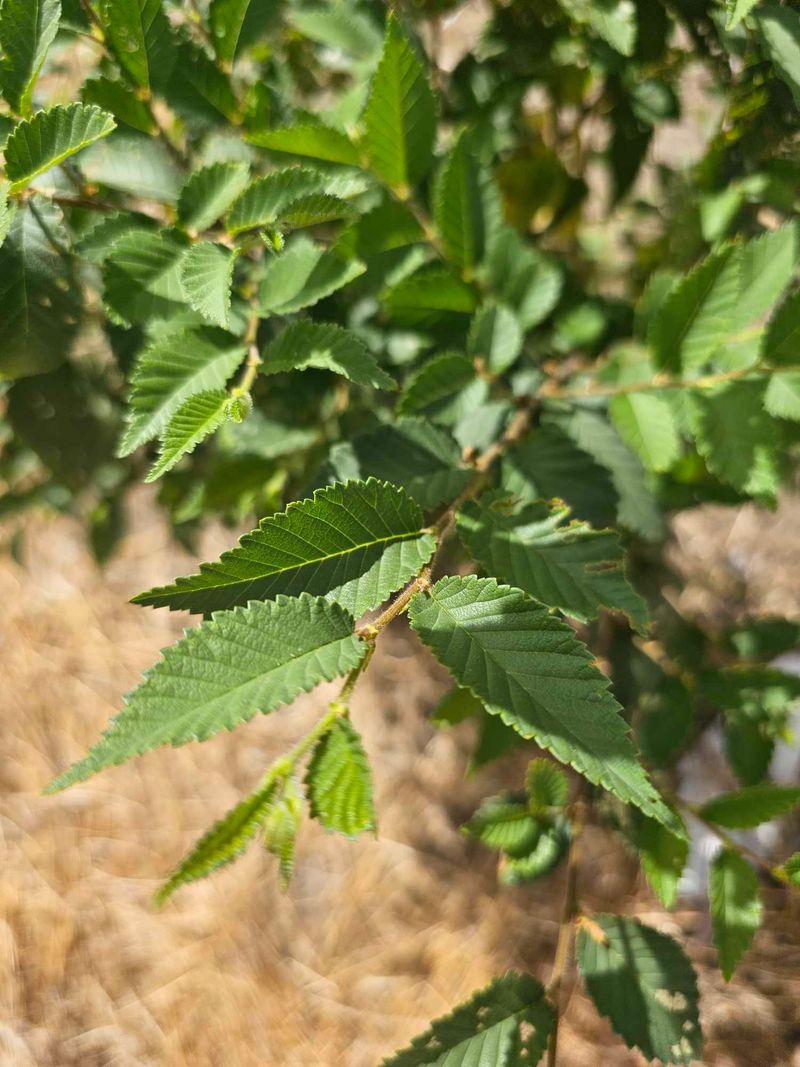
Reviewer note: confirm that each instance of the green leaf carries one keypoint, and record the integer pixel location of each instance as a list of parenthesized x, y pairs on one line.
[(139, 35), (168, 372), (224, 672), (780, 30), (782, 397), (572, 567), (133, 163), (534, 673), (643, 983), (303, 275), (747, 458), (423, 295), (281, 824), (313, 142), (646, 423), (458, 207), (613, 20), (325, 346), (735, 907), (338, 782), (546, 785), (495, 337), (209, 192), (112, 94), (767, 266), (523, 278), (227, 20), (791, 869), (738, 10), (207, 275), (781, 345), (226, 840), (316, 209), (508, 1020), (265, 200), (400, 115), (27, 29), (551, 845), (697, 314), (192, 423), (388, 226), (750, 806), (355, 544), (504, 824), (199, 91), (663, 856), (339, 25), (142, 277), (455, 707), (439, 379), (39, 294), (39, 143)]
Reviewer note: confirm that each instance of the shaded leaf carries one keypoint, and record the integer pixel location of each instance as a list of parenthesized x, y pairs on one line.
[(142, 277), (325, 346), (27, 29), (495, 336), (303, 275), (139, 35), (458, 207), (735, 907), (750, 806)]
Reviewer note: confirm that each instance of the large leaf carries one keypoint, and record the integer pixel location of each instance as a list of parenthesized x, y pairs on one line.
[(533, 672), (646, 423), (139, 35), (780, 30), (326, 346), (572, 567), (303, 275), (224, 672), (112, 94), (226, 840), (735, 907), (697, 314), (39, 143), (750, 806), (27, 29), (38, 290), (458, 206), (206, 275), (195, 420), (142, 277), (168, 372), (508, 1020), (313, 142), (208, 194), (400, 116), (355, 544), (423, 296), (643, 983), (435, 384), (265, 200), (338, 782), (133, 163)]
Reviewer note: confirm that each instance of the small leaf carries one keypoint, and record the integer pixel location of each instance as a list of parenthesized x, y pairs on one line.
[(440, 379), (229, 20), (504, 824), (325, 346), (281, 824), (192, 423), (303, 275), (39, 143), (400, 115), (209, 192), (510, 651), (27, 29), (613, 20), (791, 868), (458, 207), (339, 784), (314, 210), (421, 297), (572, 567), (138, 33), (547, 785), (550, 847), (314, 142), (142, 277), (265, 200), (738, 10), (663, 856), (207, 276), (646, 423), (735, 907), (751, 806), (495, 337), (643, 983), (525, 279), (224, 672), (112, 94), (507, 1021)]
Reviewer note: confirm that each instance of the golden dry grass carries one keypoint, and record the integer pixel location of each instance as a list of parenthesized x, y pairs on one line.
[(374, 937)]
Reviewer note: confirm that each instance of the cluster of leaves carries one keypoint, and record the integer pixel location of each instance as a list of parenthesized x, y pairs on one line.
[(381, 316)]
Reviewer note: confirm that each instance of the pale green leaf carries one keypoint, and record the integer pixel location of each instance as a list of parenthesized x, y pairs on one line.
[(224, 672), (663, 856), (791, 868), (643, 983), (325, 346), (780, 30), (133, 163), (207, 275), (781, 344), (546, 785), (281, 825), (304, 274), (782, 397), (49, 137), (168, 372), (355, 544), (522, 277), (139, 35), (508, 1020), (738, 10), (458, 207), (142, 277), (226, 840), (735, 907), (209, 192), (750, 806), (27, 29), (192, 423), (613, 20), (313, 142), (697, 314), (227, 19), (338, 782), (495, 337), (265, 200), (338, 24), (646, 423), (571, 567), (400, 115), (504, 824), (533, 672)]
